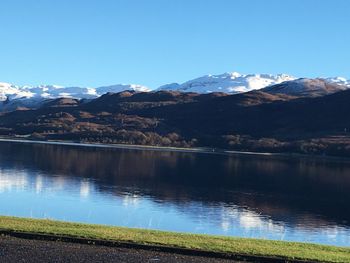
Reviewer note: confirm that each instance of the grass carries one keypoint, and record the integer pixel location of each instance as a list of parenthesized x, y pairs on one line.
[(256, 247)]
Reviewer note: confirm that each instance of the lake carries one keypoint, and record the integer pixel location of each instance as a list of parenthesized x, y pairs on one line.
[(281, 198)]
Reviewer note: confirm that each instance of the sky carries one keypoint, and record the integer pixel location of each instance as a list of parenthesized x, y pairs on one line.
[(154, 42)]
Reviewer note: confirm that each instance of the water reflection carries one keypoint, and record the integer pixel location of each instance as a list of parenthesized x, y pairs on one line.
[(277, 198)]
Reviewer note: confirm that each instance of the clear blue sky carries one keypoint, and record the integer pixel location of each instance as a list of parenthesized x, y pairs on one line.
[(153, 42)]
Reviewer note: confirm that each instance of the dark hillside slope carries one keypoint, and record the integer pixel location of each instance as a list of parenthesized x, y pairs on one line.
[(257, 120)]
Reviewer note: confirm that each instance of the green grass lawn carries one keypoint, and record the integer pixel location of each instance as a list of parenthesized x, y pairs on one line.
[(256, 247)]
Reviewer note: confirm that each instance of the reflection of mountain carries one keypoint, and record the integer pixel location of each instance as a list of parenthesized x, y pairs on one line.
[(296, 191)]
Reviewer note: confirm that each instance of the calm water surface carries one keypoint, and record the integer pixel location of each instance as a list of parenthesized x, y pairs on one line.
[(264, 197)]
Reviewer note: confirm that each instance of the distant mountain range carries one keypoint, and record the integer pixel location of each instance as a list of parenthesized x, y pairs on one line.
[(20, 97), (300, 116), (13, 97), (228, 83)]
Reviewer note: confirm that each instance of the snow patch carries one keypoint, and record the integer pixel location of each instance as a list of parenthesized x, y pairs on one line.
[(229, 82)]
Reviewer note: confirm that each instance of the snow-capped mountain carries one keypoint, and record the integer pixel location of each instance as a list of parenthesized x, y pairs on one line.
[(13, 96), (228, 82), (8, 91), (12, 92)]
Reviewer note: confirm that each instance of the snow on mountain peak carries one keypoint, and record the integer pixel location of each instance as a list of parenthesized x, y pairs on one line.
[(339, 80), (121, 87), (229, 82), (12, 92)]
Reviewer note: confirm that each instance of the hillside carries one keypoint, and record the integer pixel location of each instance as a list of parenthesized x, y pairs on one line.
[(254, 121)]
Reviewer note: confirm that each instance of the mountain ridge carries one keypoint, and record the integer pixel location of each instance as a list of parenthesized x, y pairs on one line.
[(13, 97), (251, 121), (229, 82)]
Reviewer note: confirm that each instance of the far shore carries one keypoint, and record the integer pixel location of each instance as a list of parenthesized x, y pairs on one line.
[(203, 150)]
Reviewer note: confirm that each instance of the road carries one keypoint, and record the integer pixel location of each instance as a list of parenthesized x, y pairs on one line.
[(35, 251)]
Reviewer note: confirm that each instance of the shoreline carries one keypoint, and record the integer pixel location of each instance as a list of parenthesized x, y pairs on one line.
[(256, 250), (202, 150)]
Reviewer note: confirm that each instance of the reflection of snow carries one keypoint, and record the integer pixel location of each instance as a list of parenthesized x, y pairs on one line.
[(234, 216), (21, 180), (249, 219), (38, 184), (252, 220), (131, 200), (10, 182), (84, 189)]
